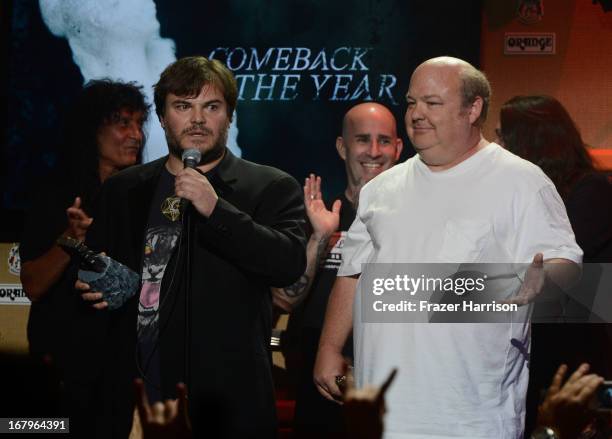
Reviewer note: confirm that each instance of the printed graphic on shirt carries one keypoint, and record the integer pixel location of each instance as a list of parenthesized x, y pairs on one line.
[(333, 255), (159, 243)]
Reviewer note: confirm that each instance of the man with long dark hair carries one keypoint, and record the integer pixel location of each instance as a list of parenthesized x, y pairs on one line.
[(102, 134), (539, 129)]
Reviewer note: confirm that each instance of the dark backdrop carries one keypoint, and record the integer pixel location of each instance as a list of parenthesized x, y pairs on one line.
[(296, 133)]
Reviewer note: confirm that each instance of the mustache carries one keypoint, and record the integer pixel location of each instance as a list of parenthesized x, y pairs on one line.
[(197, 128)]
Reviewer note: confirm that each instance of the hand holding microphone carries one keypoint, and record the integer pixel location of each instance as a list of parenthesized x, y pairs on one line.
[(192, 186)]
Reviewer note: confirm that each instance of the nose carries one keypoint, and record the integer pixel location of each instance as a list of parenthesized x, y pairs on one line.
[(197, 116), (135, 131), (374, 150), (414, 112)]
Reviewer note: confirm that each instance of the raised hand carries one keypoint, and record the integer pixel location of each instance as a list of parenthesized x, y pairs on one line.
[(78, 221), (323, 221)]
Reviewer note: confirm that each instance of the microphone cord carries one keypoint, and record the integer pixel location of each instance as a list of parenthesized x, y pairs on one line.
[(188, 297)]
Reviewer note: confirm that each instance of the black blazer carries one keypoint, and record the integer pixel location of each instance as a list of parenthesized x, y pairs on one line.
[(254, 239)]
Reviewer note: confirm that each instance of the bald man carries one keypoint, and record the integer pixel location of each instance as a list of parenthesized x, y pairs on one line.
[(461, 199), (369, 145)]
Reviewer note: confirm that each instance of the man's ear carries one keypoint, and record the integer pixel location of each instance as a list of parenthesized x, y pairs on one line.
[(162, 121), (399, 146), (475, 109), (340, 147)]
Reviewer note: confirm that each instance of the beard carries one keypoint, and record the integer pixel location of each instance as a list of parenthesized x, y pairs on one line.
[(212, 154)]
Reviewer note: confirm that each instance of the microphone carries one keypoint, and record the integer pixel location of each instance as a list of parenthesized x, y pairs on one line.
[(191, 158)]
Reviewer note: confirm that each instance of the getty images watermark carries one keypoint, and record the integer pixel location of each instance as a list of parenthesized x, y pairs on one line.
[(478, 293)]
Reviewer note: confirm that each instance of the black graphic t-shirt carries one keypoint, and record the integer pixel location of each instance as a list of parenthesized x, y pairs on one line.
[(162, 236)]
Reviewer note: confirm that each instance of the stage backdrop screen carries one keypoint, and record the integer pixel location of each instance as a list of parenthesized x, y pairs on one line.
[(300, 64)]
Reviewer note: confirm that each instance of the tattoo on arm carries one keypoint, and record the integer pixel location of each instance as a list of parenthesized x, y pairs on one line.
[(301, 286), (298, 288), (321, 247)]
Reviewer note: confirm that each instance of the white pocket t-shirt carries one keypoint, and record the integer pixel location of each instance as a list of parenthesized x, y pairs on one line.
[(454, 380)]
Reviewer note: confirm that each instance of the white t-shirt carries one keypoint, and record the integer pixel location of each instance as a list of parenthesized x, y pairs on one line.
[(454, 380)]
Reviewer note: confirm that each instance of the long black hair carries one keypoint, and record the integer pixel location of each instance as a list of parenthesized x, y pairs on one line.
[(539, 129), (99, 103)]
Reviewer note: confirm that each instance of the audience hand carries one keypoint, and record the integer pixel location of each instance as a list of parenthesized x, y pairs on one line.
[(364, 408), (169, 419), (566, 408)]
